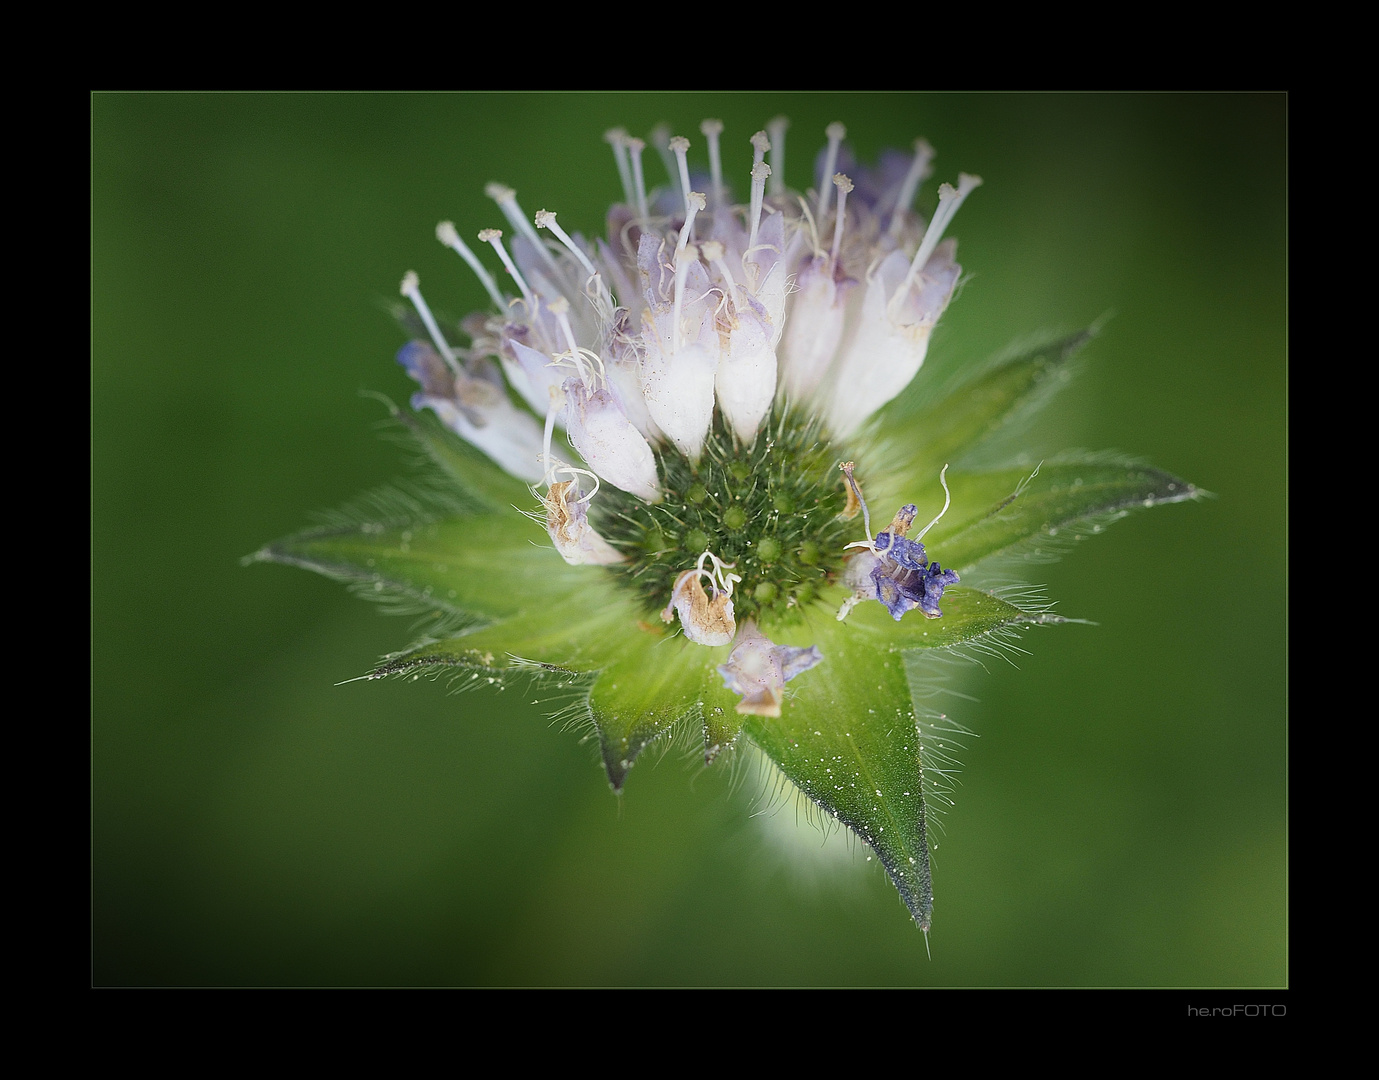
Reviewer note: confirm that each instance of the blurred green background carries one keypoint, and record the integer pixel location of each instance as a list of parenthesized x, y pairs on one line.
[(1122, 818)]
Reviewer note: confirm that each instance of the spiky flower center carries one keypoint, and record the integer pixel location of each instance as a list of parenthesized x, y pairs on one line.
[(771, 509)]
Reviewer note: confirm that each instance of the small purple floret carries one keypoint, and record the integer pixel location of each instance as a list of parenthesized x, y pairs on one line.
[(905, 581)]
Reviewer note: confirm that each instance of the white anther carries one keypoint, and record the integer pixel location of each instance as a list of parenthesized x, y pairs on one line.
[(711, 129), (761, 143), (947, 501), (446, 234), (949, 199), (545, 219), (760, 171), (836, 133), (635, 147), (694, 202), (495, 237), (499, 193), (776, 130), (411, 288), (617, 138), (844, 185), (506, 198), (919, 170)]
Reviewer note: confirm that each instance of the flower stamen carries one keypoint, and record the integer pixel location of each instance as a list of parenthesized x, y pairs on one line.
[(947, 501), (659, 137), (713, 251), (711, 129), (855, 492), (760, 171), (919, 171), (694, 202), (679, 146), (836, 133), (446, 234), (635, 147), (949, 199), (844, 185), (685, 256), (411, 288), (617, 138), (506, 198), (776, 129), (495, 237)]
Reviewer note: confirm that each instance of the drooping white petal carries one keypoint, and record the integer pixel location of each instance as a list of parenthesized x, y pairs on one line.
[(508, 436), (625, 380), (892, 338), (608, 442), (678, 389), (532, 374), (818, 315), (475, 407), (680, 353), (746, 377)]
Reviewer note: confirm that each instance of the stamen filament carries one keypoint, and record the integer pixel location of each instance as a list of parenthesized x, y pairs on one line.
[(711, 129), (844, 185), (636, 146), (919, 169), (713, 251), (560, 308), (694, 202), (949, 200), (947, 501), (557, 402), (760, 171), (617, 138), (847, 468), (411, 288), (446, 234), (545, 219), (680, 147), (506, 198), (684, 256), (660, 139), (836, 133), (776, 130), (495, 237)]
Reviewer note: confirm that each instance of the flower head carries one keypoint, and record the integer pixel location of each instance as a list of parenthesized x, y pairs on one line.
[(680, 395)]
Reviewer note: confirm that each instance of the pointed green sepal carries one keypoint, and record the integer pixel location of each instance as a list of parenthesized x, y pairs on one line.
[(848, 736), (1018, 512), (633, 681), (480, 567)]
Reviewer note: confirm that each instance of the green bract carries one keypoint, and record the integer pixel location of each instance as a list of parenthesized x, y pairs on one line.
[(711, 437)]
